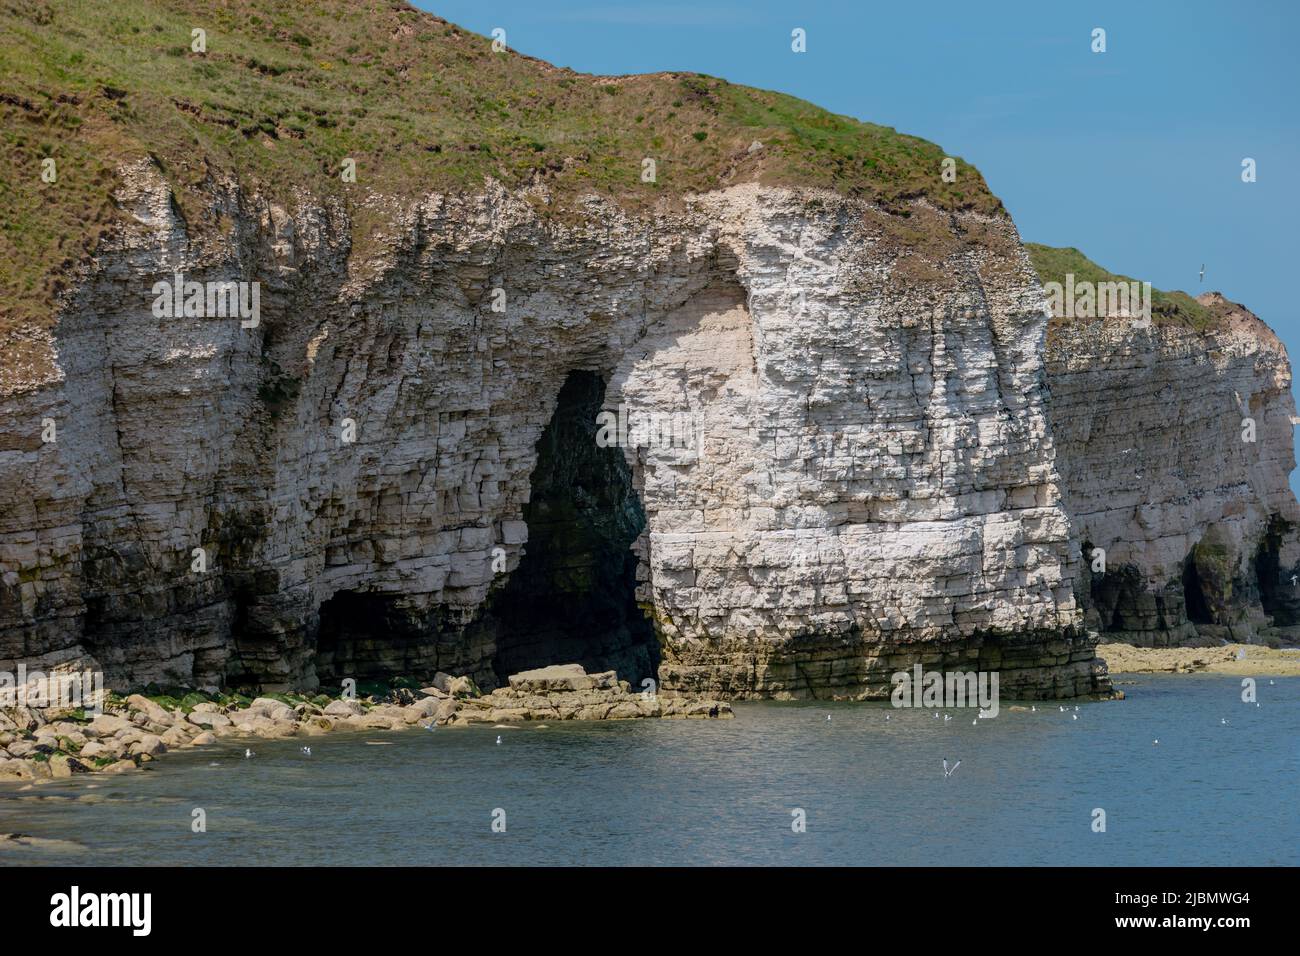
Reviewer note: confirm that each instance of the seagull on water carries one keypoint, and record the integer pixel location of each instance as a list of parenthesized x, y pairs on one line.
[(1062, 710), (307, 751), (1223, 720), (248, 753), (949, 771), (947, 717), (498, 738), (1156, 741), (1075, 716), (1033, 709)]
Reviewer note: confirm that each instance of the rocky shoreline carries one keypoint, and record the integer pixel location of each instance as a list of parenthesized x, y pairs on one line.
[(1245, 660), (567, 692), (39, 744)]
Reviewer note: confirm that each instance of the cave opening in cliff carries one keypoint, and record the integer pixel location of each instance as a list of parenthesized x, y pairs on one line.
[(1282, 606), (572, 598), (371, 636), (1198, 608)]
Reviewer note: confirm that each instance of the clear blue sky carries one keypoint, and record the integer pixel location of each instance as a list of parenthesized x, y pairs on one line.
[(1132, 155)]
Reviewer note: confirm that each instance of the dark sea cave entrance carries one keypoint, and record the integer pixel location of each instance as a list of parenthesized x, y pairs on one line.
[(372, 637), (572, 598), (1278, 600), (1198, 608)]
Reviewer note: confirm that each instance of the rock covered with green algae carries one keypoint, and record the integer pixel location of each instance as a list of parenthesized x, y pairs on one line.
[(44, 743)]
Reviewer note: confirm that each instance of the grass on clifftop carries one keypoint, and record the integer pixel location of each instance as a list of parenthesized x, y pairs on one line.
[(286, 91), (1173, 308)]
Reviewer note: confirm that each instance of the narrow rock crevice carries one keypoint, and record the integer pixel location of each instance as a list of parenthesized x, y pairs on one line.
[(1198, 611)]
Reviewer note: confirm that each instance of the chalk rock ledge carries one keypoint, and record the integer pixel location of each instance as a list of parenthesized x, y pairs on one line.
[(568, 692)]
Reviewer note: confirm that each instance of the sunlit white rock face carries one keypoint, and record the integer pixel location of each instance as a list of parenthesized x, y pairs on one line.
[(870, 481), (1175, 447)]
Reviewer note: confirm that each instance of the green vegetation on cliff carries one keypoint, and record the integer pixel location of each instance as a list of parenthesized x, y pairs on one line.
[(285, 92), (1053, 264)]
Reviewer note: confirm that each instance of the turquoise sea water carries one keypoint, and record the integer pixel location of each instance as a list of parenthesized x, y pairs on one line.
[(709, 792)]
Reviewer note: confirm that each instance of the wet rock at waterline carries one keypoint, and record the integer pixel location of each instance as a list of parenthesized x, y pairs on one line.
[(568, 692), (55, 743)]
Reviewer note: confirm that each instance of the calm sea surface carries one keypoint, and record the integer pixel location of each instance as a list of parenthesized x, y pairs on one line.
[(710, 792)]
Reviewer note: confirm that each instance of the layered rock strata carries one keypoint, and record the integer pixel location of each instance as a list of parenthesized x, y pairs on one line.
[(1175, 447), (869, 479)]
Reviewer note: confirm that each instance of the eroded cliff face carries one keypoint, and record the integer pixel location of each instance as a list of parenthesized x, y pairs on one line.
[(870, 481), (1175, 448)]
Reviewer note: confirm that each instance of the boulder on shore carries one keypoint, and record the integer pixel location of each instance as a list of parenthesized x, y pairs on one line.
[(568, 692)]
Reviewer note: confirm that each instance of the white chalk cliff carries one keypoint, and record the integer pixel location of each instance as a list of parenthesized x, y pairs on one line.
[(1175, 448), (875, 483)]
